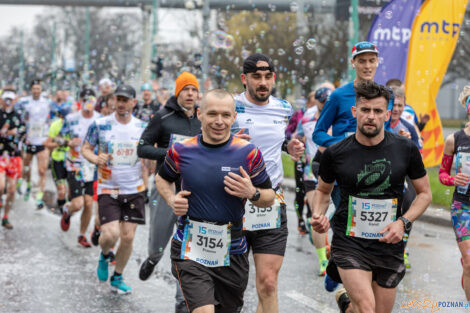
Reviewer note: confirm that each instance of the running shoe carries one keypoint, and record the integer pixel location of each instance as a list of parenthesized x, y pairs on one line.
[(102, 270), (146, 269), (65, 221), (322, 269), (118, 285), (330, 284), (27, 194), (18, 186), (342, 299), (302, 228), (83, 242), (6, 223), (180, 307), (39, 204), (406, 261), (95, 236), (112, 257)]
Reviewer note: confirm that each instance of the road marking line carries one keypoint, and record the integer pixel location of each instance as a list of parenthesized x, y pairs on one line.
[(309, 302)]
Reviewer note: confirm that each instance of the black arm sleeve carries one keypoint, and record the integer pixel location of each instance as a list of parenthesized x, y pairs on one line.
[(146, 148), (265, 185)]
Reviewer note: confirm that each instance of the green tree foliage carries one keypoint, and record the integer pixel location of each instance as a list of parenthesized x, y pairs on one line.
[(305, 60)]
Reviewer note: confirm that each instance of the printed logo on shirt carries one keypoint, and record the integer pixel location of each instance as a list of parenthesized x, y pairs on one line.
[(249, 121), (374, 179), (460, 148), (228, 169)]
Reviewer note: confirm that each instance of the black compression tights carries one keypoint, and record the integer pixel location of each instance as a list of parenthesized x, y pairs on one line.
[(299, 189)]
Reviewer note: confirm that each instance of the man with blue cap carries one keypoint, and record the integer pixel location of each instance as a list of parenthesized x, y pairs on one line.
[(146, 108)]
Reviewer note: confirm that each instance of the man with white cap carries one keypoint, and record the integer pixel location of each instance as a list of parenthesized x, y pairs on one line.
[(105, 86)]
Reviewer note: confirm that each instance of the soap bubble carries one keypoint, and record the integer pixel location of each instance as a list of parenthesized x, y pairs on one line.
[(310, 44), (294, 6)]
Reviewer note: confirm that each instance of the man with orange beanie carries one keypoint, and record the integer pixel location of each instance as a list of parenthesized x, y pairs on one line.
[(177, 120)]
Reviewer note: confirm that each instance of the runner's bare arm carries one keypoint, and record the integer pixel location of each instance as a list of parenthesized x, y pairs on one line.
[(319, 221), (178, 202), (241, 186), (322, 197), (89, 154), (50, 143), (393, 233), (295, 148), (422, 200)]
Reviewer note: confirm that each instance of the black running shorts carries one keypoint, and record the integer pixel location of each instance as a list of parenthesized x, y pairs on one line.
[(222, 286), (33, 149), (128, 208), (269, 241), (58, 170), (387, 271), (77, 187)]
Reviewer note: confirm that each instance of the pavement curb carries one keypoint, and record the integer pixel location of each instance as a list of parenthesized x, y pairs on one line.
[(433, 215)]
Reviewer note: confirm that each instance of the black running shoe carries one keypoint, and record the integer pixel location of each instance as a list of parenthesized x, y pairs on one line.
[(302, 228), (95, 236), (342, 299), (146, 269)]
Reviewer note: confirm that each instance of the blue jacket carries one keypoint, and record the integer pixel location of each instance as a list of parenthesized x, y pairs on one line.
[(337, 113)]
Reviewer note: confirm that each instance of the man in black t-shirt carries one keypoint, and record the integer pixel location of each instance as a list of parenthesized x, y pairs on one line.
[(368, 226)]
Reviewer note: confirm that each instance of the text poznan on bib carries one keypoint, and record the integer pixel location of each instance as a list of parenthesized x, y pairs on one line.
[(256, 218)]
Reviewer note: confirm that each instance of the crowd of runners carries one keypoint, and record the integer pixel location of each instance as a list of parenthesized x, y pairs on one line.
[(208, 170)]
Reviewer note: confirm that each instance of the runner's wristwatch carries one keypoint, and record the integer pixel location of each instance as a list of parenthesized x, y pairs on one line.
[(407, 223), (256, 196)]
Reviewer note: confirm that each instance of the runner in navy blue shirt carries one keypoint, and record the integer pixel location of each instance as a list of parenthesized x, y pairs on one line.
[(209, 251)]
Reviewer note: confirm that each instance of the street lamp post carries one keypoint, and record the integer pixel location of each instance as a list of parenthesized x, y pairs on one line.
[(53, 65), (353, 32), (21, 73), (205, 42), (154, 33), (86, 65)]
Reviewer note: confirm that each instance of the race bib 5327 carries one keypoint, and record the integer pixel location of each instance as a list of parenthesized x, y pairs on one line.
[(368, 217)]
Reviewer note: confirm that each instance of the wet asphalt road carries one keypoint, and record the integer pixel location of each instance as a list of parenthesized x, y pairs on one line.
[(43, 269)]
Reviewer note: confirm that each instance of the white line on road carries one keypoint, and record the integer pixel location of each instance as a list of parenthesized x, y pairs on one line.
[(309, 302)]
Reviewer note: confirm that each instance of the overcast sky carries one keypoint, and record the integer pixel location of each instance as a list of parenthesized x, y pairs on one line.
[(18, 15), (24, 16)]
